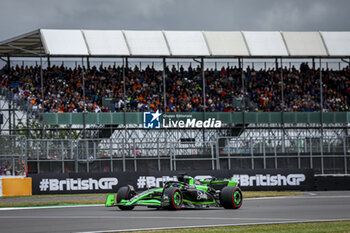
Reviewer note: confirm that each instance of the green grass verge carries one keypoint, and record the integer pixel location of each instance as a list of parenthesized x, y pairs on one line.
[(52, 203), (26, 202), (320, 227), (57, 195), (251, 194)]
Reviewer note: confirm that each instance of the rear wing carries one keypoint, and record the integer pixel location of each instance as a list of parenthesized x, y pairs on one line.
[(214, 181)]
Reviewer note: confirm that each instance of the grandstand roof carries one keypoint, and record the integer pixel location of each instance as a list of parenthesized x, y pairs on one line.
[(208, 44)]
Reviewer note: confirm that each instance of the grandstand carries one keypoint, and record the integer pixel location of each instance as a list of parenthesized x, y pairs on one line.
[(90, 118)]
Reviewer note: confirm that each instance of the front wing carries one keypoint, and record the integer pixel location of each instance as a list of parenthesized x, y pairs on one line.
[(150, 198)]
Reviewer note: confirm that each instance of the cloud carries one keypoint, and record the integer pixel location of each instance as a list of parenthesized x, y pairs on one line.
[(20, 16)]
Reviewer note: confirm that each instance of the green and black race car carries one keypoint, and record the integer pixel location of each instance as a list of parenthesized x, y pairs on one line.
[(186, 192)]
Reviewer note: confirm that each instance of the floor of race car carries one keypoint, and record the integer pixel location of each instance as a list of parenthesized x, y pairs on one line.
[(314, 206)]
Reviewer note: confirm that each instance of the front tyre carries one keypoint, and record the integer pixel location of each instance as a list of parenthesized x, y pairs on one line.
[(125, 193), (175, 198), (231, 197)]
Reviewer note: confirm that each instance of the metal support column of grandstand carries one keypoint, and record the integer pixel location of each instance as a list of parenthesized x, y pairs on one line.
[(84, 108), (276, 63), (321, 115), (42, 91), (164, 85), (8, 61), (124, 135), (282, 103), (9, 104), (125, 63), (204, 95), (243, 94), (48, 61), (165, 131)]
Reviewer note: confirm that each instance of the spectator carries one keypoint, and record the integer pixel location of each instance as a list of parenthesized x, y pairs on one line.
[(63, 91), (2, 171), (8, 170)]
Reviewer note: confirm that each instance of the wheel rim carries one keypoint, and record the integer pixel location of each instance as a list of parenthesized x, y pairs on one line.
[(237, 197), (177, 198)]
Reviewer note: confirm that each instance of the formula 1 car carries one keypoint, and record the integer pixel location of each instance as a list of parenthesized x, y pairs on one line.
[(186, 192)]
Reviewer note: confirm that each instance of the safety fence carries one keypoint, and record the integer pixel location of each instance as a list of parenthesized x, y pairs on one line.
[(13, 159), (326, 155), (257, 64)]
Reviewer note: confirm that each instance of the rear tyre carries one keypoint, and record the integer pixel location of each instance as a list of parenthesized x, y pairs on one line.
[(175, 198), (231, 197), (125, 193)]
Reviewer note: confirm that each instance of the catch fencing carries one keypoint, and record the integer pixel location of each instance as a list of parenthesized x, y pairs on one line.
[(326, 155), (13, 159)]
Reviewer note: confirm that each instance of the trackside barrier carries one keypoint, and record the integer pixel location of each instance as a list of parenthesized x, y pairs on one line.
[(117, 118), (259, 180), (332, 182), (249, 180), (15, 186)]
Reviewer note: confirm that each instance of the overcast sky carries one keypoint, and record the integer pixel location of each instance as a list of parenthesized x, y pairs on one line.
[(21, 16)]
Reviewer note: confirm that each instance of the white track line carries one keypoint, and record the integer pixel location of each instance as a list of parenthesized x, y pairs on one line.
[(294, 197), (49, 207), (136, 217), (312, 194), (219, 225)]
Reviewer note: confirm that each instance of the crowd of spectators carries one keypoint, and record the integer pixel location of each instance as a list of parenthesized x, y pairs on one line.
[(63, 89), (19, 168), (6, 170)]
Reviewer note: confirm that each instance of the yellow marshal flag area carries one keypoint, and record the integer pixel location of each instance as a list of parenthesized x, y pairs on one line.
[(16, 186)]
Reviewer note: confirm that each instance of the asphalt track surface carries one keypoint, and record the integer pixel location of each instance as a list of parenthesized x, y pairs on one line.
[(312, 207)]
